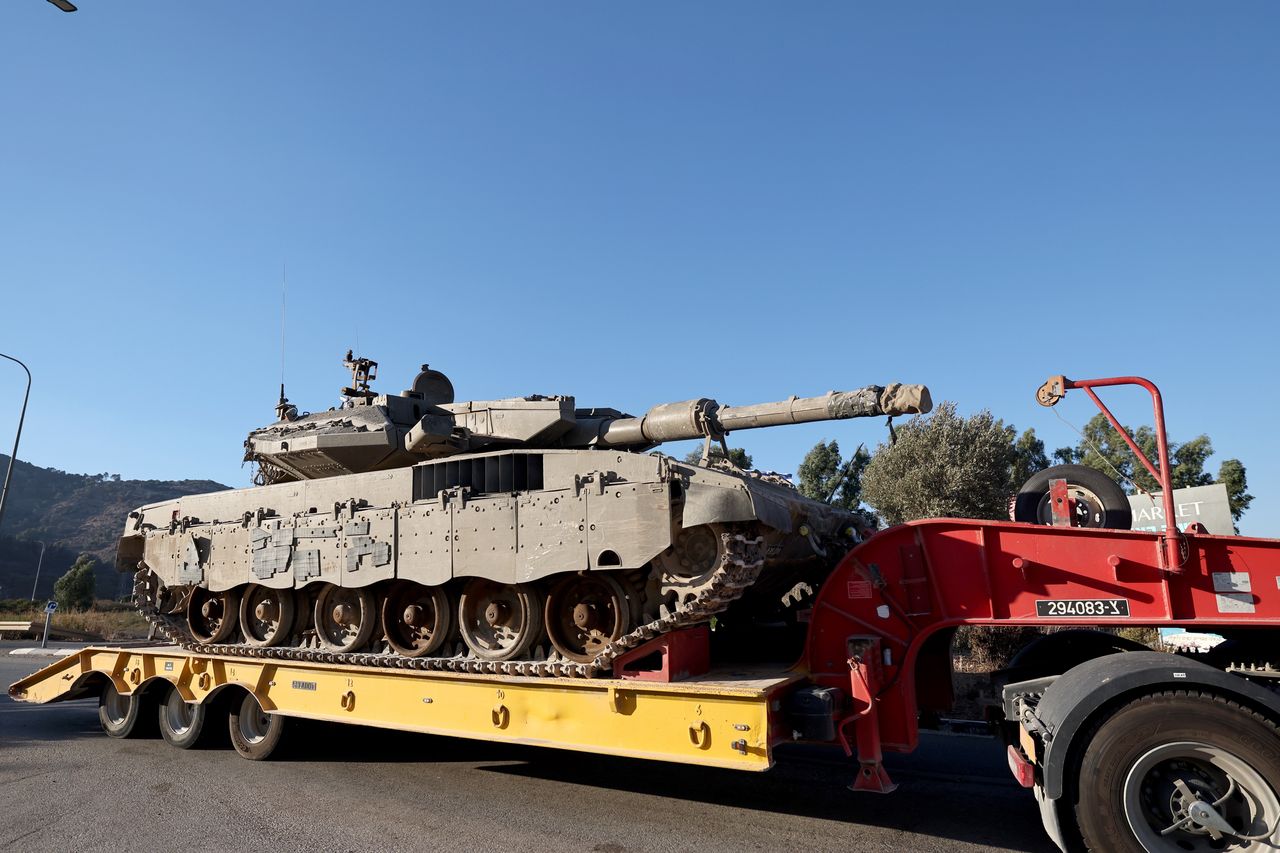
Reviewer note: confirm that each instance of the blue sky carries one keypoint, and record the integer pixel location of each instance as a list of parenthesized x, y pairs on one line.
[(635, 204)]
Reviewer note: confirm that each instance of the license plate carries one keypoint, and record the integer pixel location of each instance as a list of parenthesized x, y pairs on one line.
[(1077, 608)]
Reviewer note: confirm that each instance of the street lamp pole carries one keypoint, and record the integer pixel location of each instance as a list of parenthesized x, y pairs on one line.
[(38, 565), (4, 491)]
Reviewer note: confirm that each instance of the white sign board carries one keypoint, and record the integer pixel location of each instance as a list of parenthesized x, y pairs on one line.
[(1207, 505)]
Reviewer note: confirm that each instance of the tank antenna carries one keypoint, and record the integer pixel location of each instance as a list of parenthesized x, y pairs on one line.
[(284, 290), (284, 411)]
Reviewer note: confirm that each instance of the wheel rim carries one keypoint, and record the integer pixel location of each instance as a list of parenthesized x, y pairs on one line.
[(1086, 507), (179, 716), (254, 723), (1167, 790), (344, 617), (585, 614), (416, 618), (211, 615), (266, 615), (115, 706), (499, 622)]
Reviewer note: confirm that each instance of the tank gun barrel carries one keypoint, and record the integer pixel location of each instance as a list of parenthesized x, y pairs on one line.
[(705, 417), (373, 432)]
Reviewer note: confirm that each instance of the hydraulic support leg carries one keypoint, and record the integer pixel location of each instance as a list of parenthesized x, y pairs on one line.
[(866, 677)]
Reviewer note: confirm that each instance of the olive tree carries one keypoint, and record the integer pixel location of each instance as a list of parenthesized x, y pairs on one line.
[(943, 465)]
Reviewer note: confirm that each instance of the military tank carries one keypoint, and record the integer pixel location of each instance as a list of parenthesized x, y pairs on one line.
[(525, 536)]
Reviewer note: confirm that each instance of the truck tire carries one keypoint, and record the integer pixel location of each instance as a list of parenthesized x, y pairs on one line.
[(1099, 501), (182, 723), (255, 734), (120, 715), (1128, 791)]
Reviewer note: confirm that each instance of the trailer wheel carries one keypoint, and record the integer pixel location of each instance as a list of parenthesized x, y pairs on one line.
[(1180, 771), (1099, 501), (255, 734), (182, 724), (120, 715)]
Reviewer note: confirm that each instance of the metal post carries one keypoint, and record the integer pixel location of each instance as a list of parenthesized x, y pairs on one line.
[(4, 491), (44, 641), (38, 565)]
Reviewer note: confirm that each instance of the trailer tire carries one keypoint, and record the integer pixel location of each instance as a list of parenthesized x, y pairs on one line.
[(121, 715), (255, 734), (1099, 500), (182, 723), (1127, 792)]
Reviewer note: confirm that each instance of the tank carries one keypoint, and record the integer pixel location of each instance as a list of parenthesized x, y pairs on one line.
[(524, 535)]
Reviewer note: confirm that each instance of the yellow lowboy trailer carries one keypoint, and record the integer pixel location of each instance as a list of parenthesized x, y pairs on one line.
[(721, 719)]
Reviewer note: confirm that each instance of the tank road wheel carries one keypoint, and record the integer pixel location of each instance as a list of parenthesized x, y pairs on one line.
[(255, 734), (119, 714), (498, 621), (1181, 771), (266, 615), (344, 617), (181, 722), (211, 616), (585, 614), (416, 618)]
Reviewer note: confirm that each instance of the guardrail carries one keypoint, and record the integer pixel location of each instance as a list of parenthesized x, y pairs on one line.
[(36, 627)]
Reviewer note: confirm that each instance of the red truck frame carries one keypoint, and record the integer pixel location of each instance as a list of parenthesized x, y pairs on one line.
[(881, 631)]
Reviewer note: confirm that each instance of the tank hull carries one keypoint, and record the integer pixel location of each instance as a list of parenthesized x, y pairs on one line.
[(520, 520)]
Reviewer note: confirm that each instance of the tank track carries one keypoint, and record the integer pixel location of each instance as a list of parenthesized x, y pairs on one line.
[(741, 561)]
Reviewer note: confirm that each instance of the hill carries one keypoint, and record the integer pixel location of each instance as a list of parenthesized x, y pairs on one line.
[(72, 514)]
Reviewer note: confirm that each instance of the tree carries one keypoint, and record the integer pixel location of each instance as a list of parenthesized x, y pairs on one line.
[(824, 475), (1028, 458), (1231, 474), (737, 456), (1101, 447), (943, 465), (74, 590)]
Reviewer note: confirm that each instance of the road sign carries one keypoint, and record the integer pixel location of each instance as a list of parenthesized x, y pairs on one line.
[(1208, 505), (48, 615)]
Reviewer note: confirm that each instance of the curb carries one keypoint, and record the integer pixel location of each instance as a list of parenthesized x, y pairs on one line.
[(52, 653)]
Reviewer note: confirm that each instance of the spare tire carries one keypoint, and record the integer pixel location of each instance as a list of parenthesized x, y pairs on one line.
[(1097, 501)]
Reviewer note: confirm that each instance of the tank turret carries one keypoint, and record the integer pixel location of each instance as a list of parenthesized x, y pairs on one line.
[(371, 432)]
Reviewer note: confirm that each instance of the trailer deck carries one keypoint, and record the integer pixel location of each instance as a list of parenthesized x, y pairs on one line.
[(721, 719)]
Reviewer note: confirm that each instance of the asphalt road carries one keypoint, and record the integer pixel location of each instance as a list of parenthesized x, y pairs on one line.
[(64, 785)]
